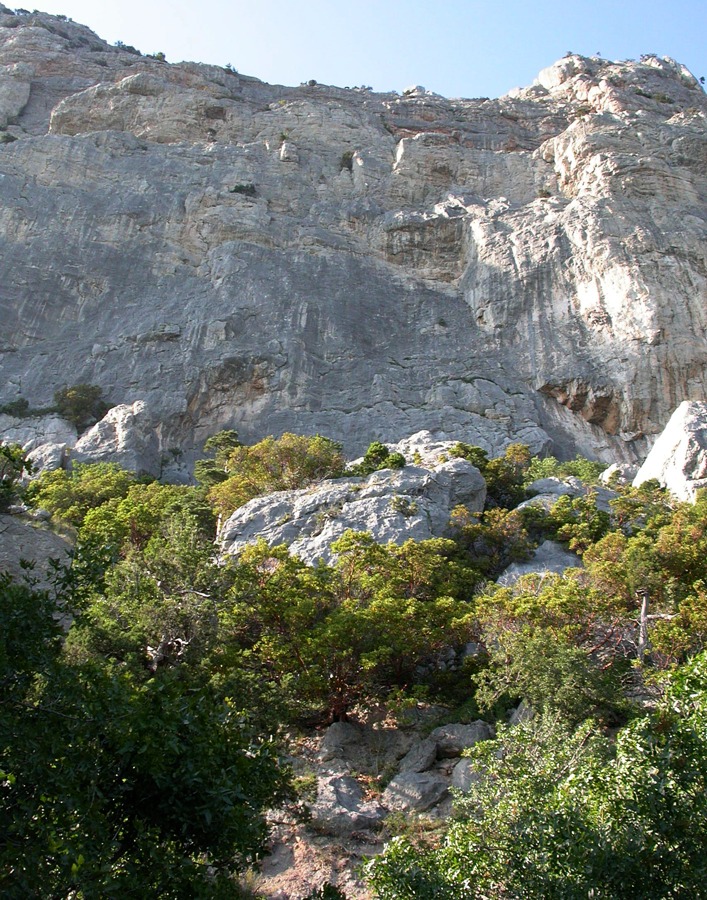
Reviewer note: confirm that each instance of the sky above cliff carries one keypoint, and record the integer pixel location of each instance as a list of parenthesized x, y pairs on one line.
[(459, 48)]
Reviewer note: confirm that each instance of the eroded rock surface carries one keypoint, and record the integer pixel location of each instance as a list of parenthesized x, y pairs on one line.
[(392, 505), (362, 265), (678, 459)]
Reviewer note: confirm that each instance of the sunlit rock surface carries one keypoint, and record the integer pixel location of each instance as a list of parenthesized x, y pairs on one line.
[(318, 259), (678, 459)]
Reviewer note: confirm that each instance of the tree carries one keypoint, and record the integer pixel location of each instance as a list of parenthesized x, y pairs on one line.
[(288, 463), (69, 496), (13, 464), (376, 457), (120, 780), (331, 637), (81, 404)]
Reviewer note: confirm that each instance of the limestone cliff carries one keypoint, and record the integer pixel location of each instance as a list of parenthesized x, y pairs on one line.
[(312, 258)]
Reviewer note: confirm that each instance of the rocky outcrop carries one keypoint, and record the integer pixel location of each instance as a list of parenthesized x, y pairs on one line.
[(125, 435), (46, 439), (317, 259), (393, 505), (545, 492), (549, 558), (678, 459), (26, 547)]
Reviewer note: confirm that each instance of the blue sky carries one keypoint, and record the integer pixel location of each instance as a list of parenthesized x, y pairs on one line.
[(459, 48)]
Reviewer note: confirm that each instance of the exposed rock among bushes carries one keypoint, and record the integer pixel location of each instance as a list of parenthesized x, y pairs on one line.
[(678, 459), (548, 557), (391, 504), (46, 439), (125, 435)]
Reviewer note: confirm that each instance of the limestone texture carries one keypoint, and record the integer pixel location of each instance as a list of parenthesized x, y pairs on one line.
[(241, 255), (678, 459), (394, 505)]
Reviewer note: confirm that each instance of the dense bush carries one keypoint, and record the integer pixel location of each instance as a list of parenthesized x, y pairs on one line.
[(378, 456), (561, 813), (81, 404), (70, 495), (289, 462), (136, 746)]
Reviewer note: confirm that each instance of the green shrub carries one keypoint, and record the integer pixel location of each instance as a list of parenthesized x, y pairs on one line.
[(81, 404), (13, 463), (19, 408), (246, 188), (377, 457), (289, 463), (69, 496)]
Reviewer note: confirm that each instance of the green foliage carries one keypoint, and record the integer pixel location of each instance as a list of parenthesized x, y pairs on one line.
[(81, 404), (552, 675), (550, 641), (586, 470), (70, 495), (18, 408), (578, 521), (644, 508), (209, 472), (561, 814), (247, 189), (117, 777), (326, 892), (475, 455), (131, 520), (334, 637), (13, 464), (290, 462), (504, 476), (378, 456), (494, 540)]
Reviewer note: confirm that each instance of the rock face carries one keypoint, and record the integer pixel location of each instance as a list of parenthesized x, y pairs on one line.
[(25, 539), (678, 459), (125, 435), (47, 440), (392, 504), (362, 265)]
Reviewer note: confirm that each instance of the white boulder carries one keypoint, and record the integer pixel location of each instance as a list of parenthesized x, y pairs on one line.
[(125, 435), (678, 459)]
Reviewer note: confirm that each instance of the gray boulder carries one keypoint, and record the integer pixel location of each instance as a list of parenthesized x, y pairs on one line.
[(23, 539), (549, 557), (392, 504), (45, 439), (452, 740), (464, 775), (419, 757), (621, 473), (678, 459), (522, 713), (415, 791), (548, 490), (125, 435), (340, 807)]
